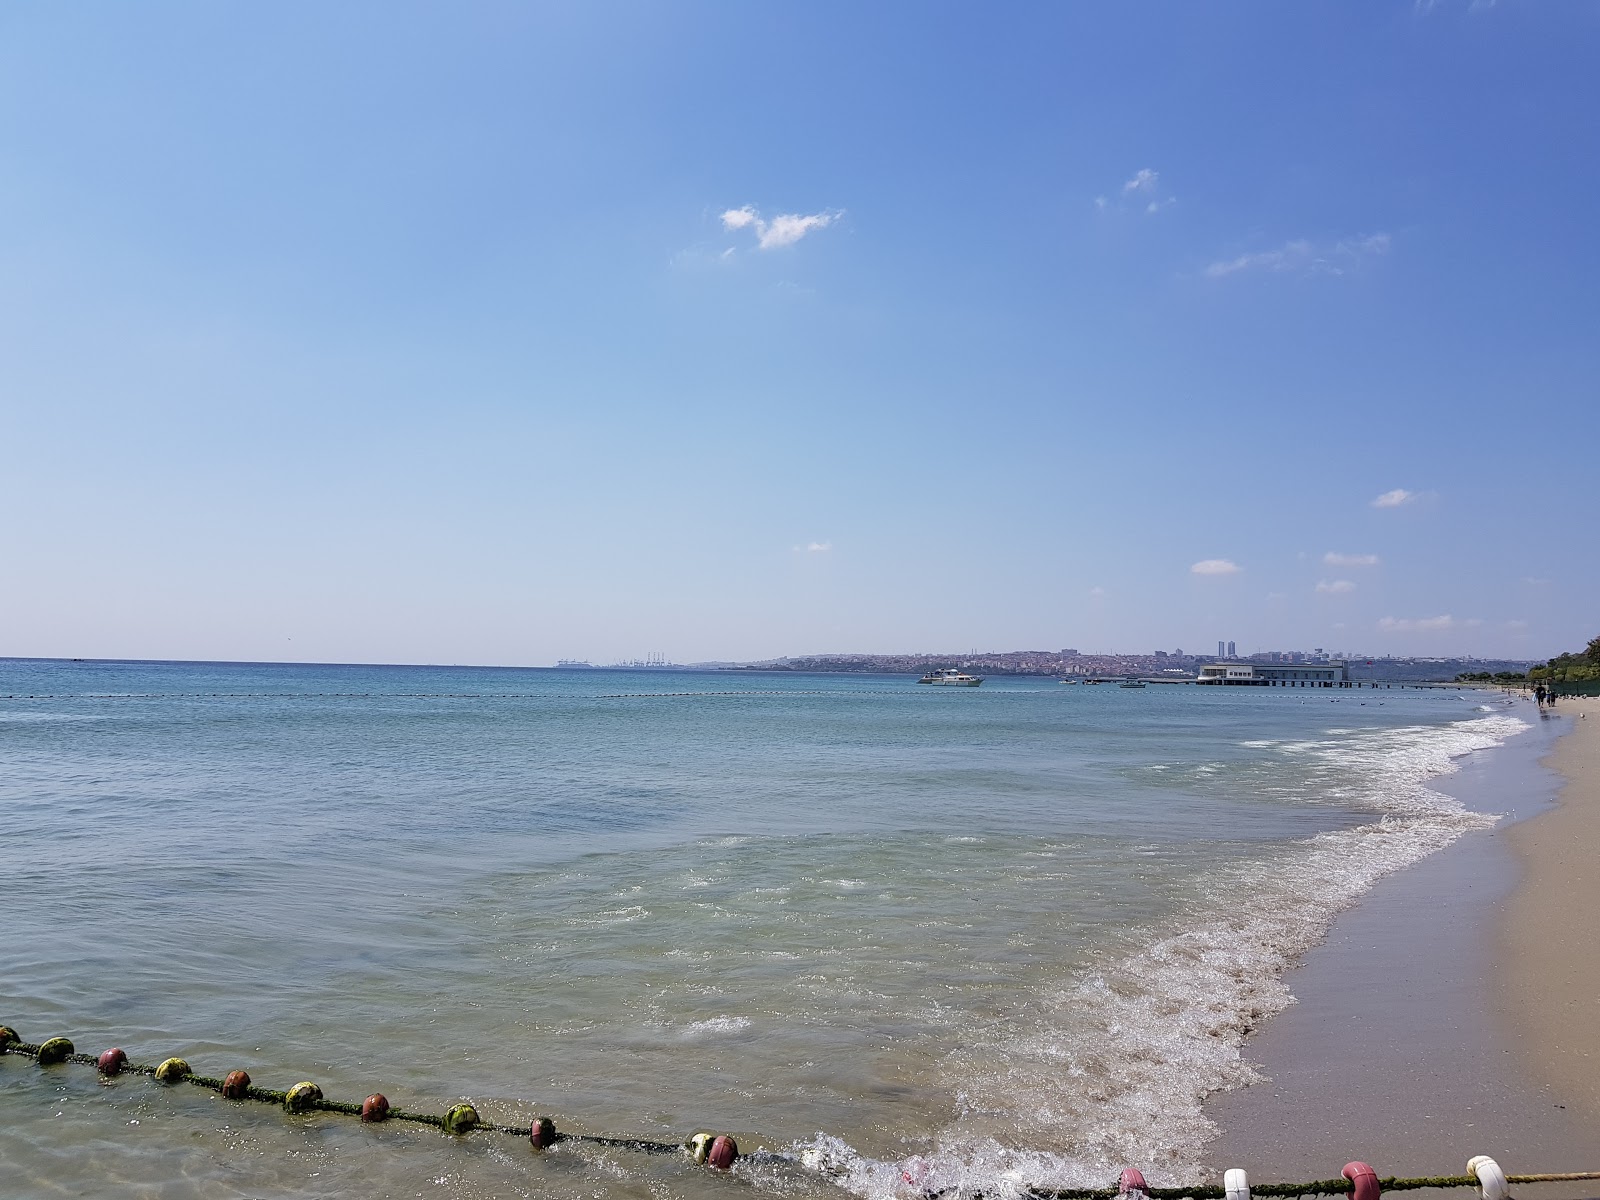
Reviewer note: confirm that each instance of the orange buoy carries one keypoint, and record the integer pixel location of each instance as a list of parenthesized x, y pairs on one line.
[(1131, 1182), (111, 1061), (724, 1150), (236, 1086), (542, 1133), (375, 1108)]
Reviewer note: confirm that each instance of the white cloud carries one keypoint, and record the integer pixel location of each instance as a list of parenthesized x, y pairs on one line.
[(1215, 566), (1143, 191), (1418, 625), (785, 229), (1334, 559), (818, 547), (1394, 499), (1305, 257), (1335, 586), (1291, 254), (1424, 7), (1097, 590), (789, 228), (1144, 180), (1515, 624)]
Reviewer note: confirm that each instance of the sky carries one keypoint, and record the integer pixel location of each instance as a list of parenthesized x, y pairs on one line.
[(503, 333)]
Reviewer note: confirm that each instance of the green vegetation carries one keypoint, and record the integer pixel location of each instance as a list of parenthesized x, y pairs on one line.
[(1508, 677), (1581, 666)]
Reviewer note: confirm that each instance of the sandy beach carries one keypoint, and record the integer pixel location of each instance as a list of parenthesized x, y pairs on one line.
[(1453, 1010), (1548, 949)]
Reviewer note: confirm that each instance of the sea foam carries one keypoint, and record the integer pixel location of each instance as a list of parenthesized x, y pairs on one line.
[(1113, 1067)]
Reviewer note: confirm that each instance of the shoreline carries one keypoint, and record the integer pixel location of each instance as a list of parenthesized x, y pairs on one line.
[(1547, 948), (1404, 1048)]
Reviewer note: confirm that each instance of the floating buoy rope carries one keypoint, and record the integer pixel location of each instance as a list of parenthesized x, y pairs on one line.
[(720, 1151)]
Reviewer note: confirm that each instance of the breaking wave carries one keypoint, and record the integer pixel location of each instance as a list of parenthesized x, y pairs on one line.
[(1113, 1067)]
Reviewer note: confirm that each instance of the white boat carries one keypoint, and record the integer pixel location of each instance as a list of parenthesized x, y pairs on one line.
[(1131, 683), (950, 677)]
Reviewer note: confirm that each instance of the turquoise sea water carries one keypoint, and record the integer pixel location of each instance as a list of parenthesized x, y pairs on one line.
[(1015, 932)]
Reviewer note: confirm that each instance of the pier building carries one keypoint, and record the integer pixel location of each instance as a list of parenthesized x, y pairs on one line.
[(1330, 674)]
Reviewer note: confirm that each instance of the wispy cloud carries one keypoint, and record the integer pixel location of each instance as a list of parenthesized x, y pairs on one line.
[(1144, 180), (1334, 559), (1424, 7), (1335, 586), (1394, 499), (1143, 191), (1305, 257), (1216, 566), (1097, 590), (814, 548), (1419, 624), (785, 229)]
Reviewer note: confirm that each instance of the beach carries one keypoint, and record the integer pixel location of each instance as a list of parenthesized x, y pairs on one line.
[(1548, 948), (1452, 1012)]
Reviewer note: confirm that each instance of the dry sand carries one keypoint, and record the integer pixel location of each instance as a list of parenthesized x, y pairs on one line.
[(1456, 1009), (1548, 949)]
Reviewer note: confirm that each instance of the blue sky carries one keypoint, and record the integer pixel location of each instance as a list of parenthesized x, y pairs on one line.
[(508, 332)]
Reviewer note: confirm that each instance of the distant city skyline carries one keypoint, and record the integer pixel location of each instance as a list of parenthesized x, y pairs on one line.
[(510, 334)]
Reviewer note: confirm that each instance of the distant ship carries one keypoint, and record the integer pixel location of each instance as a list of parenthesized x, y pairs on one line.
[(572, 662), (950, 677)]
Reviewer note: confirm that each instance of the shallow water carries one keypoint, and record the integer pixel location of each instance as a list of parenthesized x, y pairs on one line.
[(1017, 930)]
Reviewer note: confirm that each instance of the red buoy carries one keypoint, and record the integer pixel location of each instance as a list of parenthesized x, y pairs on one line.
[(542, 1133), (722, 1153), (1132, 1180), (1365, 1180), (236, 1085), (111, 1061), (375, 1108)]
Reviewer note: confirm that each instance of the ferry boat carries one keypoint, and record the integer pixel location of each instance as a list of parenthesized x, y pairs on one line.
[(950, 677), (1131, 683)]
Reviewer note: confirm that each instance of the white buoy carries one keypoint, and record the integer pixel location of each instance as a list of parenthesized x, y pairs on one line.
[(1490, 1177), (1236, 1183)]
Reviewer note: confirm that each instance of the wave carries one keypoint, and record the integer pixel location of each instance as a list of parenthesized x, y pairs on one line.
[(1113, 1067)]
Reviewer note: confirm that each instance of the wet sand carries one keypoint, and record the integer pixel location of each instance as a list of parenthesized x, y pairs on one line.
[(1408, 1047)]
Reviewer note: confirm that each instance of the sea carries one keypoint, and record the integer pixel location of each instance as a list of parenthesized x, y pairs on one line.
[(893, 939)]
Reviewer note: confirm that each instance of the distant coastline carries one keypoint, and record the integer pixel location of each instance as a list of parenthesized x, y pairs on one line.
[(1034, 663), (1074, 663)]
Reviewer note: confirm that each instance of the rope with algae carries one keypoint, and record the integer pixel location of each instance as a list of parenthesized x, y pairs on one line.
[(307, 1097), (714, 1150)]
